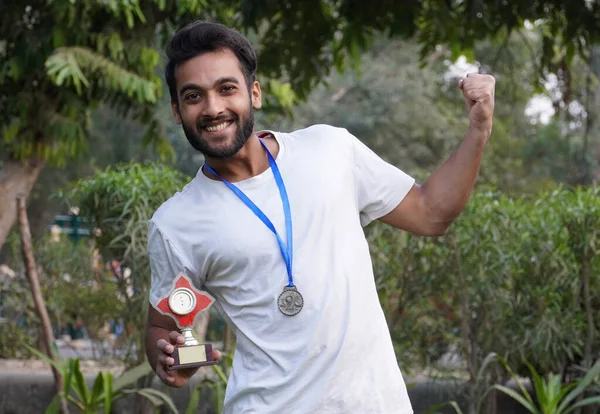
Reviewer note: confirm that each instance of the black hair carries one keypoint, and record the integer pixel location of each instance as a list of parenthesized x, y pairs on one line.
[(201, 37)]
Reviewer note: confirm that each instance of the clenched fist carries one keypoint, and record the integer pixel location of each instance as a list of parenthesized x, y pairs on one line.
[(478, 91)]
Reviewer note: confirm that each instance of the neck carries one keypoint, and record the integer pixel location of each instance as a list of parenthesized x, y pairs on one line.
[(250, 161)]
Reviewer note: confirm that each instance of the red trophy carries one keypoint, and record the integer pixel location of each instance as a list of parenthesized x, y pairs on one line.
[(183, 305)]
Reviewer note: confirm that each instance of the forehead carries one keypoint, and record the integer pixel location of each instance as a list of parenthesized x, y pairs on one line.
[(205, 69)]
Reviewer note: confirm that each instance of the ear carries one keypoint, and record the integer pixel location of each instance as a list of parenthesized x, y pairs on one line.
[(176, 114), (256, 95)]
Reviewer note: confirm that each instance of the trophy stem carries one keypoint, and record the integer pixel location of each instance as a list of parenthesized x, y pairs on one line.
[(189, 338)]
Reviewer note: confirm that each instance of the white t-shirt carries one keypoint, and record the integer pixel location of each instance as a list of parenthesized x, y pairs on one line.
[(336, 355)]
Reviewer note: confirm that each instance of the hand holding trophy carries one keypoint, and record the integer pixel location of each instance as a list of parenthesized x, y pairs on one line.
[(183, 305)]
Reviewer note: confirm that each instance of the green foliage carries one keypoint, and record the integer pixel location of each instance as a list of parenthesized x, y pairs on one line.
[(415, 117), (433, 409), (75, 290), (507, 278), (567, 26), (217, 386), (67, 65), (105, 390), (62, 58), (13, 339), (384, 106), (551, 396), (118, 202)]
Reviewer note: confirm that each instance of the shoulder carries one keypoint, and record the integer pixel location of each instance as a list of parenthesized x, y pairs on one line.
[(171, 213), (320, 137), (321, 132)]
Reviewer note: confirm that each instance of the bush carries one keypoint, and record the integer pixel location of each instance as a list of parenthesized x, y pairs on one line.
[(514, 276), (118, 202)]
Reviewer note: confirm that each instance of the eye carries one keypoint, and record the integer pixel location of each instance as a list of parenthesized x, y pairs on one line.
[(228, 88), (192, 96)]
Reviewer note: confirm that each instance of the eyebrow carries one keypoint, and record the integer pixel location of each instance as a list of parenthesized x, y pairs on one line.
[(220, 81)]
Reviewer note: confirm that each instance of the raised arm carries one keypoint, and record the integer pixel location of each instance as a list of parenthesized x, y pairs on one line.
[(430, 208)]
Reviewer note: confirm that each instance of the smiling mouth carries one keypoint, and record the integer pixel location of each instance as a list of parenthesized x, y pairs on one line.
[(219, 127)]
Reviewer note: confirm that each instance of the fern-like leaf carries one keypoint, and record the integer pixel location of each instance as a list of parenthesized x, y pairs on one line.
[(79, 66)]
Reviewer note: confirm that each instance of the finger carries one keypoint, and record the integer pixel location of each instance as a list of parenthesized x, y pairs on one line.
[(462, 79), (468, 102), (164, 346), (176, 338), (477, 94), (216, 354), (166, 360), (165, 376)]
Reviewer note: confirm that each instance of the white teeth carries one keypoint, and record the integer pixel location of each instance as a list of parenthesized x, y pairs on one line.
[(217, 127)]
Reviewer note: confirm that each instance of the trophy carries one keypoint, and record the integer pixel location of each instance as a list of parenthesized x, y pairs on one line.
[(183, 305)]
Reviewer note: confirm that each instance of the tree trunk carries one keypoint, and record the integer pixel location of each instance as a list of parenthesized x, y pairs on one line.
[(16, 177), (38, 299)]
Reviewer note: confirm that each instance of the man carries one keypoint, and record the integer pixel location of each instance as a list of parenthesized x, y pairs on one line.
[(272, 227)]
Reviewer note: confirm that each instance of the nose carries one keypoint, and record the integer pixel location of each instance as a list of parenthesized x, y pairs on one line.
[(214, 106)]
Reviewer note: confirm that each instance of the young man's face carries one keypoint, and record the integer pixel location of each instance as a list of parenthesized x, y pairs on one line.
[(215, 103)]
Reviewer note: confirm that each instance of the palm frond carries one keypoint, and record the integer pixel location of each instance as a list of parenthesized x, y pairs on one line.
[(82, 67)]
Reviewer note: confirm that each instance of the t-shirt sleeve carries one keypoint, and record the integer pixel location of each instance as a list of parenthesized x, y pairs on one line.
[(166, 263), (380, 186)]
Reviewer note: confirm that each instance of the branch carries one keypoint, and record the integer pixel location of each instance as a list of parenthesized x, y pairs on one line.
[(71, 64), (38, 298), (532, 52)]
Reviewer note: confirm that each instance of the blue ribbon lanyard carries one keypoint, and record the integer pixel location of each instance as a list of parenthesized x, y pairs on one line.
[(286, 253)]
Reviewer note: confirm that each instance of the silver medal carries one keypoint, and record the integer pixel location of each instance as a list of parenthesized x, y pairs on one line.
[(290, 301)]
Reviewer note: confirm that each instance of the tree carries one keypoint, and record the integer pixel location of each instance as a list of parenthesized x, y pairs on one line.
[(60, 59), (63, 58)]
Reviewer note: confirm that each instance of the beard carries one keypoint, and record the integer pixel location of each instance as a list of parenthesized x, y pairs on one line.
[(243, 129)]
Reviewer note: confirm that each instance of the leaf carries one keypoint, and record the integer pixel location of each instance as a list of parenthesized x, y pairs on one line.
[(590, 376), (81, 406), (54, 407), (194, 400), (219, 396), (220, 373), (81, 387), (156, 397), (108, 392), (59, 367), (564, 391), (518, 397), (492, 356), (15, 69), (582, 403), (453, 404), (97, 388), (538, 385), (516, 379), (59, 37), (70, 63), (131, 376)]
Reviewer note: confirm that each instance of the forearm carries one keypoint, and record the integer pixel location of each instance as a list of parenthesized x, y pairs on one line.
[(448, 189)]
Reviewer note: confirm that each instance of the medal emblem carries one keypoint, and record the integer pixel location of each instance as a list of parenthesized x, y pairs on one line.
[(290, 301)]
